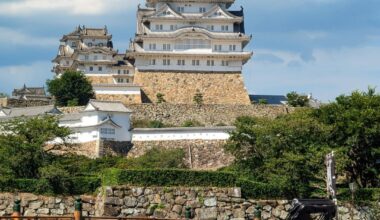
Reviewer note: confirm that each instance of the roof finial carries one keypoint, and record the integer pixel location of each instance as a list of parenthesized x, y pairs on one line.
[(105, 30)]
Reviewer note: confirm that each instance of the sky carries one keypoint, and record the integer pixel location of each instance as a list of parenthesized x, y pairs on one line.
[(323, 47)]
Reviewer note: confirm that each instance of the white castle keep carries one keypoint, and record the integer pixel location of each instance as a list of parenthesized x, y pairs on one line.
[(181, 48)]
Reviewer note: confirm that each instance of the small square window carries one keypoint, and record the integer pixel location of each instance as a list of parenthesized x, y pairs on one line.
[(86, 57), (100, 68), (91, 68)]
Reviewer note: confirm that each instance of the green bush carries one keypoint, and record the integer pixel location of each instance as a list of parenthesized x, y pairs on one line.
[(156, 124), (168, 178), (69, 186), (192, 123), (362, 195)]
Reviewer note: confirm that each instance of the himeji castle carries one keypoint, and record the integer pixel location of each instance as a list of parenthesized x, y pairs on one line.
[(181, 48)]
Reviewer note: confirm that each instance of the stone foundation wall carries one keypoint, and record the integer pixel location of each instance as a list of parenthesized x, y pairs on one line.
[(101, 79), (3, 102), (125, 99), (34, 205), (159, 202), (217, 88), (88, 149), (17, 103), (199, 154), (177, 114)]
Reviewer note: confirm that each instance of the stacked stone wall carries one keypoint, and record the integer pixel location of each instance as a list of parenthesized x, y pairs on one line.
[(199, 154), (209, 115), (20, 103), (125, 99), (168, 202), (180, 88)]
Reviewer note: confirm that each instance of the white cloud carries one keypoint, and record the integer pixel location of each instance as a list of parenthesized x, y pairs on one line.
[(11, 36), (74, 7), (34, 74), (332, 73)]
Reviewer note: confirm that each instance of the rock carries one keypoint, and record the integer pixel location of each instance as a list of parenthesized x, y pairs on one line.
[(210, 202), (127, 211), (29, 212), (88, 199), (43, 211), (157, 199), (267, 208), (148, 192), (276, 212), (113, 201), (177, 209), (2, 213), (239, 213), (56, 212), (62, 206), (235, 192), (250, 210), (284, 214), (208, 213), (36, 204), (246, 204), (283, 202), (194, 204), (109, 191), (111, 211), (180, 201), (137, 191), (150, 210), (159, 213), (288, 207), (130, 202), (58, 200), (88, 207), (28, 197), (265, 215)]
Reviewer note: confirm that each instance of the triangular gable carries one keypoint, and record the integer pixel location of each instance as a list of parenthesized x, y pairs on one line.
[(109, 121), (167, 11), (90, 107), (3, 113), (218, 12)]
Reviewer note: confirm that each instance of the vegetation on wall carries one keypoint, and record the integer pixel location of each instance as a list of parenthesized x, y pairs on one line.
[(290, 149), (72, 88), (297, 100)]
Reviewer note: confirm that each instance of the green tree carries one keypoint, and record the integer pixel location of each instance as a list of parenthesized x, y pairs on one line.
[(355, 120), (297, 100), (71, 88), (22, 142), (198, 98), (160, 98), (288, 150)]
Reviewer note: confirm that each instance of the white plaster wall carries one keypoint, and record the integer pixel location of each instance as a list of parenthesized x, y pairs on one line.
[(117, 90), (164, 135), (95, 41)]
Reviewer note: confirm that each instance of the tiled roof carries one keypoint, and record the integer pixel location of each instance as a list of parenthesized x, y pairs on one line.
[(31, 111), (109, 106), (270, 99)]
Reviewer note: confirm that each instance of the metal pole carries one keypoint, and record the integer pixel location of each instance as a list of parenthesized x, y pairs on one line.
[(16, 209), (78, 209)]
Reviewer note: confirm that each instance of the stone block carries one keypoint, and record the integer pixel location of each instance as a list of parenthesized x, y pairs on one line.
[(210, 202), (137, 191), (130, 201), (208, 213), (43, 211), (30, 212), (36, 204)]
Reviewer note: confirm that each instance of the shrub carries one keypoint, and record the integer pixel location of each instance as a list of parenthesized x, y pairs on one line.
[(156, 124), (198, 98), (192, 123), (160, 98)]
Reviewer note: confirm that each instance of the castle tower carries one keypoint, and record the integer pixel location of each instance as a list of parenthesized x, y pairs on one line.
[(184, 47), (90, 50)]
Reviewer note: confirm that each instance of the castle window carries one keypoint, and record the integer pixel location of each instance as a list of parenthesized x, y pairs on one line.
[(126, 71), (104, 57), (86, 57), (195, 62), (210, 63), (152, 62), (100, 68), (107, 131), (95, 57), (181, 9), (100, 44), (152, 46), (159, 27), (202, 10), (119, 80), (232, 47), (91, 68), (218, 47), (166, 46), (225, 63), (118, 72), (224, 27), (127, 80), (73, 44), (181, 62), (166, 62), (172, 27)]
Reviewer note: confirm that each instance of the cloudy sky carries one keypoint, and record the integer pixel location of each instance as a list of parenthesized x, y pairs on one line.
[(324, 47)]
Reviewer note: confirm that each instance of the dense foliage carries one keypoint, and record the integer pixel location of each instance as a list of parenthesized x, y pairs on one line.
[(290, 149), (297, 100), (71, 89)]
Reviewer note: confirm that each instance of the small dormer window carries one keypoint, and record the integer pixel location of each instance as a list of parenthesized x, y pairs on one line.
[(202, 10), (73, 44), (89, 44)]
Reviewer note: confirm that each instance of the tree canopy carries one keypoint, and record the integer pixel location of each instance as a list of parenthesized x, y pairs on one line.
[(72, 88), (290, 150), (297, 100)]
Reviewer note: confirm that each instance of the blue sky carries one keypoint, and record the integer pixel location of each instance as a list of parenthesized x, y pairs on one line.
[(323, 47)]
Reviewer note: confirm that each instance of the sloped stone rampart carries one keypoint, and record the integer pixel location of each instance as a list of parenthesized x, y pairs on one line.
[(125, 99), (199, 154), (180, 88), (177, 114), (163, 202)]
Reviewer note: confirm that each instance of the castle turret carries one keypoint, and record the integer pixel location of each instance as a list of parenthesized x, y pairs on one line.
[(184, 47)]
